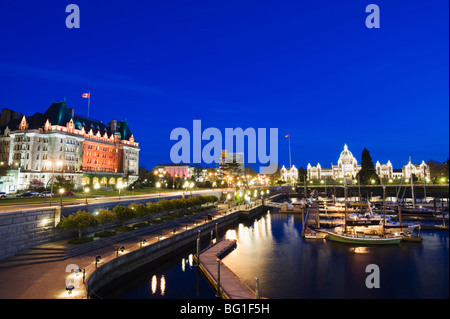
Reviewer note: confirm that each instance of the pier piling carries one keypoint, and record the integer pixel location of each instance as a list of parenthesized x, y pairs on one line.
[(198, 248), (218, 294), (257, 287)]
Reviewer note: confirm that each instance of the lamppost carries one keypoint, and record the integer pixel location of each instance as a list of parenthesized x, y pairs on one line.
[(86, 190), (58, 163), (186, 186), (173, 181), (119, 187), (61, 192), (158, 185)]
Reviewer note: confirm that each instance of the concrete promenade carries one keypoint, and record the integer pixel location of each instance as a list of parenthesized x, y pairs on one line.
[(43, 271), (231, 287)]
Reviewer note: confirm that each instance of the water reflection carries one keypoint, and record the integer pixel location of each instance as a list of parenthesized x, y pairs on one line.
[(154, 283), (360, 250), (289, 266), (163, 285)]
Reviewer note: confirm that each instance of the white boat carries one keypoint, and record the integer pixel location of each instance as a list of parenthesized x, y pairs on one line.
[(362, 239)]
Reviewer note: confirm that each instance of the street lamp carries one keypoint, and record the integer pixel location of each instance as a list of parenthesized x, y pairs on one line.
[(158, 185), (61, 192), (119, 186), (86, 190), (97, 260), (52, 164)]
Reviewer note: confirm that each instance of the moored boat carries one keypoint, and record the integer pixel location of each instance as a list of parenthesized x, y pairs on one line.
[(362, 239)]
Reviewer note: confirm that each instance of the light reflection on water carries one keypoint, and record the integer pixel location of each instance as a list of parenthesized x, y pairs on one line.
[(290, 267)]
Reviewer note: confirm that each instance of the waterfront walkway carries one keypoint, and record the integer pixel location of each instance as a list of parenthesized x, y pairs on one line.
[(43, 271), (231, 287)]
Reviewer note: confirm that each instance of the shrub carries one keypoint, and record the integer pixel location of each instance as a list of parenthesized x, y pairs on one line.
[(123, 214), (79, 221), (152, 208), (104, 217), (140, 210)]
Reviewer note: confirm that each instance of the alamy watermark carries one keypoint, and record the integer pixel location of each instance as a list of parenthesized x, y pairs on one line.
[(373, 279), (373, 19), (73, 19), (261, 149)]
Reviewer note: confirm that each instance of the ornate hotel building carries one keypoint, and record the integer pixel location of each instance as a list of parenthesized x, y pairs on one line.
[(347, 166), (59, 143)]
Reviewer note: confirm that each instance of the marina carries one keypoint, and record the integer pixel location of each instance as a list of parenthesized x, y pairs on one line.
[(310, 246), (290, 266)]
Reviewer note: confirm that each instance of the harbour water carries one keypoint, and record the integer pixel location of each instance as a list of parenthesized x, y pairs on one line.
[(289, 267)]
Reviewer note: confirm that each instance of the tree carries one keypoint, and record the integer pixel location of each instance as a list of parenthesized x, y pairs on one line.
[(123, 214), (79, 221), (4, 169), (36, 184), (275, 177), (436, 168), (194, 201), (445, 168), (140, 210), (166, 205), (104, 217), (61, 182), (302, 174), (153, 208), (367, 172)]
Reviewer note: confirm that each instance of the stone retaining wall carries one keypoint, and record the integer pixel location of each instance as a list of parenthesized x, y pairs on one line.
[(120, 266)]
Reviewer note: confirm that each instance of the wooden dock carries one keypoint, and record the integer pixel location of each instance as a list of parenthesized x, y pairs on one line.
[(231, 287)]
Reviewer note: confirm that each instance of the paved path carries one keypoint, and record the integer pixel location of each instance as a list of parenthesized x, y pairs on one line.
[(40, 273), (231, 286)]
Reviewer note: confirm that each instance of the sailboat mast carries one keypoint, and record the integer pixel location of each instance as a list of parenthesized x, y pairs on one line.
[(359, 194), (345, 204), (384, 208), (412, 183)]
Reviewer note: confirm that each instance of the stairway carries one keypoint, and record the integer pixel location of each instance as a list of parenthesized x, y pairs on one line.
[(35, 255)]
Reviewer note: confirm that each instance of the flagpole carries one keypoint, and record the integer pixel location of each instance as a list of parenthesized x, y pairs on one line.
[(290, 163), (89, 103)]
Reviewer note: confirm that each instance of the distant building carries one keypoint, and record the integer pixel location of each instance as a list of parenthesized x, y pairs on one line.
[(289, 175), (348, 166), (88, 151), (227, 157), (421, 170), (176, 170)]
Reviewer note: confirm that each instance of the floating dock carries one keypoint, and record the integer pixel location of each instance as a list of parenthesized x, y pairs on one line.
[(230, 286)]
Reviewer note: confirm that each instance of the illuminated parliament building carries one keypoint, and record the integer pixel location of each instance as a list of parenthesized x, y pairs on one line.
[(34, 149), (348, 166)]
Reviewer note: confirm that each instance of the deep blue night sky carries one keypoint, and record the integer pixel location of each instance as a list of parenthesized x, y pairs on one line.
[(309, 68)]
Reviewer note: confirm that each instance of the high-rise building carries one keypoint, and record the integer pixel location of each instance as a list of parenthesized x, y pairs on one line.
[(60, 143), (235, 159)]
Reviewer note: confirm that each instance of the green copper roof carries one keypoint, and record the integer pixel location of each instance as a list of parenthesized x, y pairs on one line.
[(58, 113), (124, 130)]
